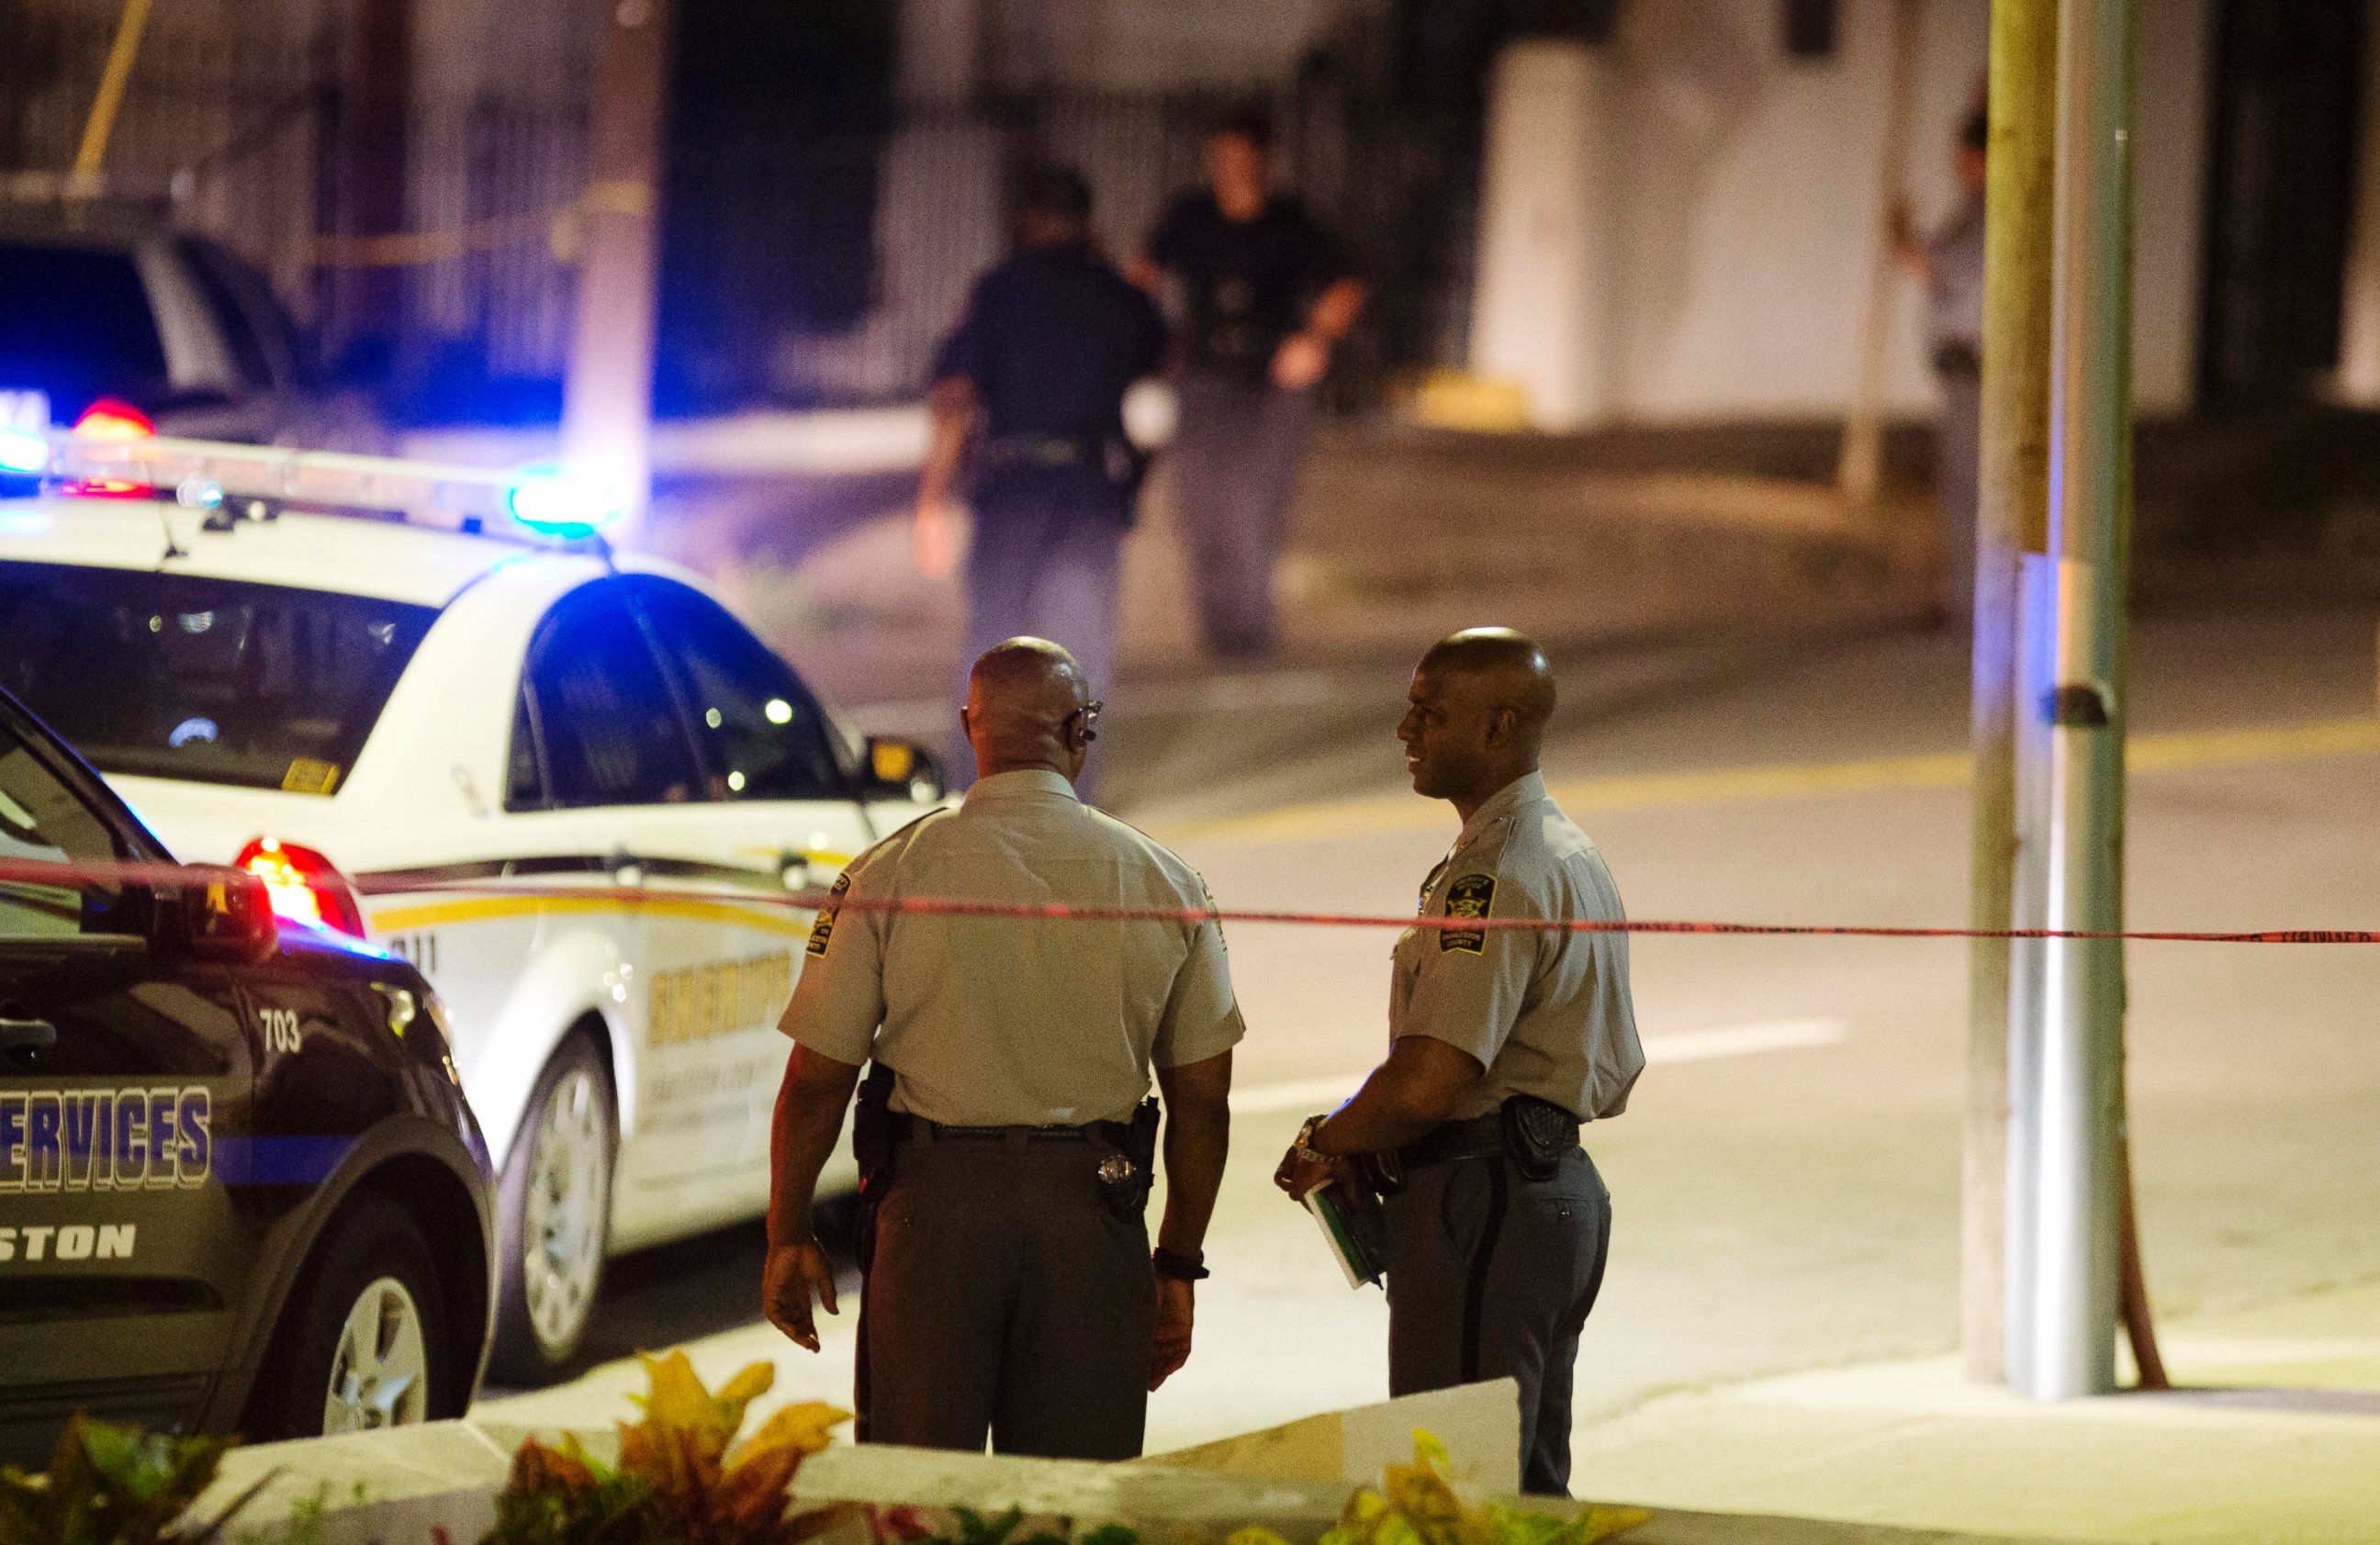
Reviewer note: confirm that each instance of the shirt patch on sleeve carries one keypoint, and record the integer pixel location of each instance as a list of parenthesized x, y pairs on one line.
[(823, 931), (1470, 896)]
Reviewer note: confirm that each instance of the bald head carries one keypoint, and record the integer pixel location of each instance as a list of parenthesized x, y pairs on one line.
[(1477, 717), (1507, 667), (1025, 707)]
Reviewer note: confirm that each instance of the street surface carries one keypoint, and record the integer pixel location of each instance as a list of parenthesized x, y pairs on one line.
[(1785, 1183)]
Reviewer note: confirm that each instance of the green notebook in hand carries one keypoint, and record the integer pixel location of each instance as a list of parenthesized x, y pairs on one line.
[(1355, 1228)]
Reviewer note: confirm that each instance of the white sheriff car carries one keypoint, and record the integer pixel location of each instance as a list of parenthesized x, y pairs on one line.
[(465, 742)]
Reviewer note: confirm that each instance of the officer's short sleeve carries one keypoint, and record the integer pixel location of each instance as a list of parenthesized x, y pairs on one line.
[(965, 354), (1469, 988), (1202, 1017), (839, 999)]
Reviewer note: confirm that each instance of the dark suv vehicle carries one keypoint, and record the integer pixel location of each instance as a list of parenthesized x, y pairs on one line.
[(108, 304), (240, 1188)]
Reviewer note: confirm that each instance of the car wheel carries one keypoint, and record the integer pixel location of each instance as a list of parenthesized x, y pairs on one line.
[(363, 1345), (556, 1203)]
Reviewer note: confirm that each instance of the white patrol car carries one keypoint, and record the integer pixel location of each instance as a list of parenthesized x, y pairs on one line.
[(462, 741)]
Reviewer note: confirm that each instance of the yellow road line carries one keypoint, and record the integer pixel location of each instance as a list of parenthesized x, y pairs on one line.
[(2173, 752)]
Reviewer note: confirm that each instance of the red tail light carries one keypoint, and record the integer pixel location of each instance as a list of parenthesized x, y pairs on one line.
[(112, 418), (305, 887)]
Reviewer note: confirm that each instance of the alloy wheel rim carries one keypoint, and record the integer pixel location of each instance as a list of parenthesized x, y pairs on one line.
[(380, 1372), (562, 1233)]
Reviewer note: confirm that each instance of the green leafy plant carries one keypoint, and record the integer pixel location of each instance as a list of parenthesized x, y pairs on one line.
[(682, 1478), (1417, 1505), (111, 1485)]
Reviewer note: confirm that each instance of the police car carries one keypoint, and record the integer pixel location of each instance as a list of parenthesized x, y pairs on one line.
[(240, 1188), (568, 784)]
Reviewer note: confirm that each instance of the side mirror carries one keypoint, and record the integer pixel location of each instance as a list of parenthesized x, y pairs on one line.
[(901, 769), (228, 917)]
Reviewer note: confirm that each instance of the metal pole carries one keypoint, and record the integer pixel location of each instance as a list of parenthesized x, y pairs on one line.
[(2081, 1112), (1860, 471), (2012, 518), (607, 395)]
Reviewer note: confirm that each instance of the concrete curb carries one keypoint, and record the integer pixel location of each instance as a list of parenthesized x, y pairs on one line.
[(394, 1488)]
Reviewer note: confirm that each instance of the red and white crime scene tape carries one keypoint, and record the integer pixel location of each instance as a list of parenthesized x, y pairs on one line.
[(45, 873)]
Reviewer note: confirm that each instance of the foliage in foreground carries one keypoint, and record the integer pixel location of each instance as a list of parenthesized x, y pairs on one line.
[(1415, 1505), (682, 1478), (111, 1485)]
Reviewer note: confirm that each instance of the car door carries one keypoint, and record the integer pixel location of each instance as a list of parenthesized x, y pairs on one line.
[(781, 818), (125, 1093), (617, 770)]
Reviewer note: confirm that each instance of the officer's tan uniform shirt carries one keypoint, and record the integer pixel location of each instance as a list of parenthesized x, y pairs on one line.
[(1017, 1021), (1546, 1013)]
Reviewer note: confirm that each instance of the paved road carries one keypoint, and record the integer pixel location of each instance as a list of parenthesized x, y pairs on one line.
[(1785, 1182)]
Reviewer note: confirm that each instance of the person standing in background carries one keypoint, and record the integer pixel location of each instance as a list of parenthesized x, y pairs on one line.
[(1034, 376), (1262, 296), (1950, 265)]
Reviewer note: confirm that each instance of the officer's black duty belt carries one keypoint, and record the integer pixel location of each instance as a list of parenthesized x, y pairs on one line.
[(1481, 1137), (915, 1129)]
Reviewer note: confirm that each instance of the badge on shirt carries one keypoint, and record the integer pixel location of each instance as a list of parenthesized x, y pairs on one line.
[(1472, 895), (823, 931)]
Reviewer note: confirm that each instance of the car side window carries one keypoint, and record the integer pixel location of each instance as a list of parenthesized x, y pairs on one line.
[(42, 819), (606, 721), (762, 732)]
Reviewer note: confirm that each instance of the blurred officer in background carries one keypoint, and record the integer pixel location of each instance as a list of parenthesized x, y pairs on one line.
[(1263, 295), (1501, 1042), (1005, 1145), (1036, 373), (1950, 266)]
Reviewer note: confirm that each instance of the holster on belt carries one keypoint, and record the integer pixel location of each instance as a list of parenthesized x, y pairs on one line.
[(1128, 1166), (1537, 1134), (871, 1149)]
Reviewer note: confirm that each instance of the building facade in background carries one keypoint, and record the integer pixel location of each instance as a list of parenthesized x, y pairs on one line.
[(406, 170)]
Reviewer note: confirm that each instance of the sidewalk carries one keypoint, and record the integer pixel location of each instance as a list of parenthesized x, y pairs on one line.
[(2275, 1437), (2272, 1442)]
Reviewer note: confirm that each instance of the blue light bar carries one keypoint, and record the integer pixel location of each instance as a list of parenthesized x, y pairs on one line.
[(556, 503), (24, 452)]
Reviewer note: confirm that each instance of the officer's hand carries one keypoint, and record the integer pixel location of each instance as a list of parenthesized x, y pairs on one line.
[(793, 1274), (1176, 1304), (931, 542), (1298, 1175), (1300, 361)]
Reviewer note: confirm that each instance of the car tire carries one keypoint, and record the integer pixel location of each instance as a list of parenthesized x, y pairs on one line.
[(363, 1342), (555, 1227)]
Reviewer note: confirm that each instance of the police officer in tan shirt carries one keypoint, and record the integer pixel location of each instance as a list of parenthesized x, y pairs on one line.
[(1010, 1291), (1502, 1041)]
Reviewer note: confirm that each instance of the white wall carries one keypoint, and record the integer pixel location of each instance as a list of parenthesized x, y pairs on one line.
[(1747, 193)]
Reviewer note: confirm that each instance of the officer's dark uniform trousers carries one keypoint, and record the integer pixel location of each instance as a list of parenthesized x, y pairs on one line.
[(1491, 1276), (1004, 1293)]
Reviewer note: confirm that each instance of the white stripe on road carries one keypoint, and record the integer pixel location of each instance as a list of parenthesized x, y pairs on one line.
[(1692, 1045)]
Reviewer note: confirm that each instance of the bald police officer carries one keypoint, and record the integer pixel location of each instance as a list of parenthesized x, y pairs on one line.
[(1009, 1288), (1501, 1042)]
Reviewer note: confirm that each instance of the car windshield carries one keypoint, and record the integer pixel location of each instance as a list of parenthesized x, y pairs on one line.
[(77, 324), (213, 681)]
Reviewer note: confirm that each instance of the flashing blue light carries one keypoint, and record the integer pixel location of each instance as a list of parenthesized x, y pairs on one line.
[(555, 503), (24, 452)]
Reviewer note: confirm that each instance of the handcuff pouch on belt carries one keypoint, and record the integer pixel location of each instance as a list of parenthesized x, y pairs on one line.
[(1128, 1170), (1537, 1134), (871, 1149)]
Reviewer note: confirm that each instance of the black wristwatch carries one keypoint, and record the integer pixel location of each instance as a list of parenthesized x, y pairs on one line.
[(1179, 1267)]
